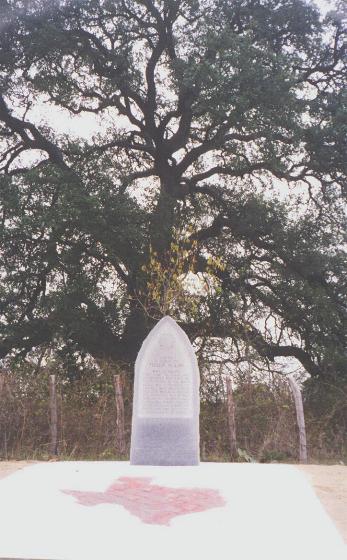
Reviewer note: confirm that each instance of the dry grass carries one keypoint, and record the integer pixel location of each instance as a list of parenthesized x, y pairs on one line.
[(265, 422)]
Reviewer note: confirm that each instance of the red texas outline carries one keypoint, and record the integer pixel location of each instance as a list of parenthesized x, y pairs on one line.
[(151, 503)]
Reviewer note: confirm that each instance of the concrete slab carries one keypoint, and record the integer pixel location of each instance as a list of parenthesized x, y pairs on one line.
[(104, 510)]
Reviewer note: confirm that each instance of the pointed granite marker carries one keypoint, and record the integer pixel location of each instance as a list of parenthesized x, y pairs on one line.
[(165, 424)]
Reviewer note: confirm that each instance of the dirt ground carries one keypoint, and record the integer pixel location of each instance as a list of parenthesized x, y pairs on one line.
[(329, 482), (8, 467)]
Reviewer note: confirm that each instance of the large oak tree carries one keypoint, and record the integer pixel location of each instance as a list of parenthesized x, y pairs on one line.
[(222, 148)]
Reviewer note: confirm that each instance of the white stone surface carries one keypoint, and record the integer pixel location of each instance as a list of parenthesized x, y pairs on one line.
[(271, 512), (165, 426)]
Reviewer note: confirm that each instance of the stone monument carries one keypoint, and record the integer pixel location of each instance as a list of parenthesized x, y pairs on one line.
[(165, 422)]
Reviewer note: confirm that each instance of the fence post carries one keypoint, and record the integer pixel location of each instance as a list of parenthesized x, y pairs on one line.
[(2, 390), (299, 407), (54, 415), (2, 382), (118, 391), (231, 420)]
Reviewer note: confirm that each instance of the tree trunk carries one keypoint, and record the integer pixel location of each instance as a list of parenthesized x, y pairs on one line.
[(163, 220), (54, 415), (231, 420), (135, 331), (120, 432), (143, 311), (299, 407)]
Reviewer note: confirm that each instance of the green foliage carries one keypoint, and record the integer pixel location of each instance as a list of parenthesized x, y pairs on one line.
[(224, 121)]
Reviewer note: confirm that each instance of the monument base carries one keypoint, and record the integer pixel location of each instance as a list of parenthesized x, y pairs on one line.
[(170, 442), (102, 510)]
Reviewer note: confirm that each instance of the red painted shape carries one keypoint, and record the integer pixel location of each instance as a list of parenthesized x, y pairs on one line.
[(152, 503)]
